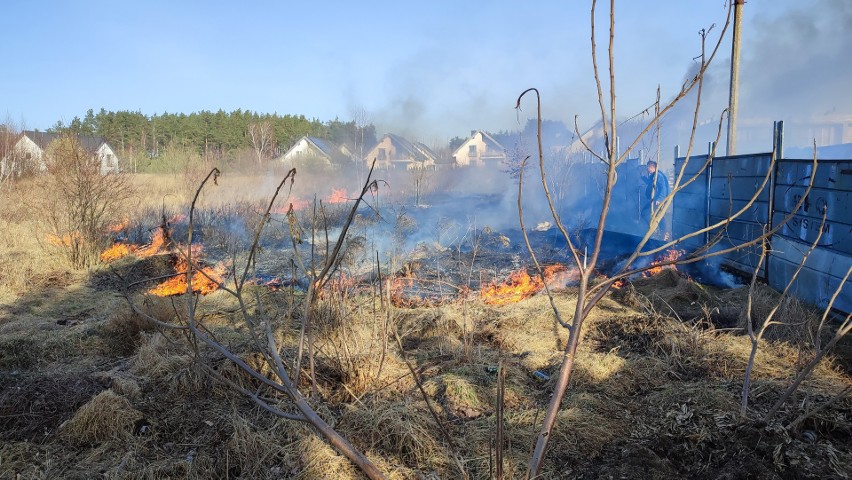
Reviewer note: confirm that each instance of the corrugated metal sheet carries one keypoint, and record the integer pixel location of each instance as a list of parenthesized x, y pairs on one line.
[(738, 182), (734, 181), (819, 278), (689, 212), (831, 195)]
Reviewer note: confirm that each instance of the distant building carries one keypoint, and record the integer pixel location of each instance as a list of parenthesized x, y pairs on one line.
[(393, 151), (29, 153), (316, 152), (481, 148)]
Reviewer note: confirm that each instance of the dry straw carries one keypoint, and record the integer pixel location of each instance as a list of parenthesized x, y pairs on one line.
[(108, 416)]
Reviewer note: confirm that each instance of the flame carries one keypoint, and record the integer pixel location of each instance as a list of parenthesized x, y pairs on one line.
[(201, 283), (118, 250), (338, 195), (118, 227), (519, 286), (66, 240), (670, 255), (294, 204), (177, 218), (158, 244)]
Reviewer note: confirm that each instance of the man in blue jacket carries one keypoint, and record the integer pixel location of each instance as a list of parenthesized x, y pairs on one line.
[(656, 189)]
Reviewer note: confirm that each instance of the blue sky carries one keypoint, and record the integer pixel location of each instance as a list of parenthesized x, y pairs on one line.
[(429, 69)]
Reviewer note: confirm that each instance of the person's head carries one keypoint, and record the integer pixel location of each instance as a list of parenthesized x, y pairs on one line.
[(652, 167)]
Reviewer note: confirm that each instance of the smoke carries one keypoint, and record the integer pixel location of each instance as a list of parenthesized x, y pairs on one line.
[(794, 67), (797, 65)]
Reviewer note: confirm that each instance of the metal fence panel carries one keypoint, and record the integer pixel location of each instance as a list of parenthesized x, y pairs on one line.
[(733, 182), (831, 195), (818, 279)]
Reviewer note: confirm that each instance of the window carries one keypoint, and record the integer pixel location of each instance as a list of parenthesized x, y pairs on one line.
[(471, 151), (383, 155)]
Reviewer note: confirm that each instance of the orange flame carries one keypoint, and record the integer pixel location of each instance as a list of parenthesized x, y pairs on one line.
[(158, 243), (118, 227), (670, 256), (66, 240), (338, 195), (294, 203), (118, 250), (519, 286), (201, 283)]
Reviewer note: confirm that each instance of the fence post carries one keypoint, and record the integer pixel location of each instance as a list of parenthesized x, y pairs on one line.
[(777, 155)]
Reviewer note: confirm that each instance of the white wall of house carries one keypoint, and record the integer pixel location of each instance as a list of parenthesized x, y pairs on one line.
[(476, 151), (29, 153), (303, 150), (108, 159), (383, 152)]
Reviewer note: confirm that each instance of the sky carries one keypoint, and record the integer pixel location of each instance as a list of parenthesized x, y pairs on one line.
[(431, 70)]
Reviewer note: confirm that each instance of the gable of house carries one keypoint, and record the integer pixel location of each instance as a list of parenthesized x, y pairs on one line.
[(317, 152), (480, 148), (393, 150)]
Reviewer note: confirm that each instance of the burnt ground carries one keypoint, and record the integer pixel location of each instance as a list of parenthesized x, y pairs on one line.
[(90, 390)]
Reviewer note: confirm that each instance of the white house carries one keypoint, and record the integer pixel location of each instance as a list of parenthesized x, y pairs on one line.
[(316, 152), (481, 148), (392, 151), (28, 153)]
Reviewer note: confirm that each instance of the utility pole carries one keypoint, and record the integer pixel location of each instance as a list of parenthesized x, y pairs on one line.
[(735, 79)]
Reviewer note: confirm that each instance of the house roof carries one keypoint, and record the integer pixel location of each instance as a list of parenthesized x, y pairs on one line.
[(405, 148), (43, 139), (322, 146), (489, 141)]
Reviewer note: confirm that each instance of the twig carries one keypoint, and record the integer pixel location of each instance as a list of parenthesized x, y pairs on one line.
[(810, 413)]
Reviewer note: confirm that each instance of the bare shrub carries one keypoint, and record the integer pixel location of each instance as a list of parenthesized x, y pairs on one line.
[(76, 203)]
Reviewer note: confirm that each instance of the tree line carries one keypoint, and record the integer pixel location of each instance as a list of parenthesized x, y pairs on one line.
[(217, 134)]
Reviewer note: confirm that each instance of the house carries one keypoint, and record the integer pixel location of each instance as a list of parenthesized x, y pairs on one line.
[(29, 153), (479, 149), (393, 151), (316, 152)]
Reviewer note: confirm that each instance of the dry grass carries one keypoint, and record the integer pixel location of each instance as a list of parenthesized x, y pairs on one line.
[(798, 322), (646, 384), (167, 362), (402, 429), (318, 460), (254, 452), (25, 263), (108, 416)]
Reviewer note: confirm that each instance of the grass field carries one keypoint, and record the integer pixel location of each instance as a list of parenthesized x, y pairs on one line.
[(90, 389)]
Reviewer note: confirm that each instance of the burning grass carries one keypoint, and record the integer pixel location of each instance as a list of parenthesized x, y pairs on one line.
[(205, 280), (519, 286), (655, 389)]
